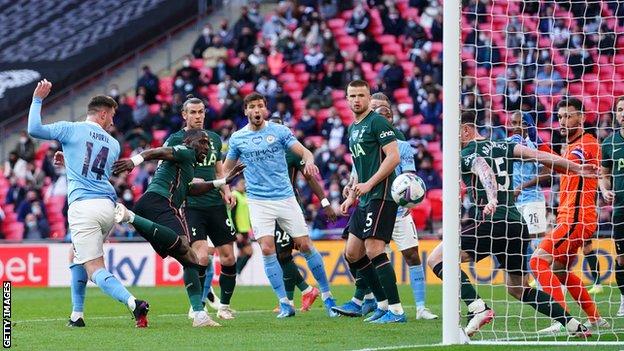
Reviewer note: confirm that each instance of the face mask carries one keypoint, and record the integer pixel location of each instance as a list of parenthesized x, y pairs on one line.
[(337, 122), (327, 36), (186, 63), (333, 166), (291, 44), (36, 210), (206, 32), (393, 17), (411, 24), (31, 224), (301, 183), (114, 92), (23, 140), (334, 194), (233, 91), (179, 82), (257, 52), (127, 196)]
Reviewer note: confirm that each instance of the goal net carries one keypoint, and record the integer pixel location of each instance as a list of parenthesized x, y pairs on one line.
[(519, 61)]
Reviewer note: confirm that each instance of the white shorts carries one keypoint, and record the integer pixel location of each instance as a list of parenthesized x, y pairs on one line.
[(534, 214), (404, 233), (90, 221), (287, 213)]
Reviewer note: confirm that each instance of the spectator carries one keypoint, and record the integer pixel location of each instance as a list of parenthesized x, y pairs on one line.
[(328, 8), (330, 160), (314, 60), (150, 82), (267, 86), (316, 93), (220, 71), (491, 127), (393, 23), (308, 34), (560, 33), (486, 53), (275, 61), (141, 111), (36, 228), (15, 166), (25, 147), (227, 89), (417, 33), (580, 62), (334, 130), (243, 72), (123, 119), (329, 47), (548, 81), (16, 193), (281, 112), (272, 28), (244, 22), (203, 42), (332, 77), (245, 41), (225, 34), (186, 81), (291, 49), (426, 172), (257, 57), (214, 53), (436, 29), (432, 110), (513, 96), (414, 86), (31, 204), (371, 50), (547, 20), (255, 16), (307, 125), (351, 72), (392, 76), (138, 136), (359, 21)]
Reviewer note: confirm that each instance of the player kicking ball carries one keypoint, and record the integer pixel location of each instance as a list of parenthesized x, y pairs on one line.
[(404, 234), (157, 214), (89, 155), (261, 147), (497, 228)]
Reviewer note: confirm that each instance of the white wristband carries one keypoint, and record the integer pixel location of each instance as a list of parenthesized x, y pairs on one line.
[(325, 203), (218, 182), (137, 159)]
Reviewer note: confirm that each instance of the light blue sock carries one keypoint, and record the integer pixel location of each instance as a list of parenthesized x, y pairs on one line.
[(111, 286), (417, 281), (79, 279), (276, 275), (208, 281), (315, 263)]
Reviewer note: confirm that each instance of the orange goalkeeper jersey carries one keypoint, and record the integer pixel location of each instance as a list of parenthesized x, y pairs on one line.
[(577, 200)]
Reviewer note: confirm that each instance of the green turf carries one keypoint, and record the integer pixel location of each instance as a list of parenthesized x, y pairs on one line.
[(39, 317)]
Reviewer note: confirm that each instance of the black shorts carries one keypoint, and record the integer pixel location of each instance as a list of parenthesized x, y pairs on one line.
[(507, 242), (618, 234), (213, 223), (374, 221), (160, 210), (283, 241)]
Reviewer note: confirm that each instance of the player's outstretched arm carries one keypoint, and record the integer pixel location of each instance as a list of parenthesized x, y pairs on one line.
[(605, 184), (127, 164), (307, 157), (320, 193), (555, 162), (202, 187), (389, 164), (488, 178), (35, 127)]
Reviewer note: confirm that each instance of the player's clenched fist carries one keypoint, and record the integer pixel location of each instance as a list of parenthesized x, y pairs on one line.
[(43, 89)]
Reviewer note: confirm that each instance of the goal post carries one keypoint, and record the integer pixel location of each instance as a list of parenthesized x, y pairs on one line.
[(450, 182)]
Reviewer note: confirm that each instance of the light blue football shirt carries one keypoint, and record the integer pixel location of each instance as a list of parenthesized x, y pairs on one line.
[(524, 172), (89, 153), (263, 153), (407, 164)]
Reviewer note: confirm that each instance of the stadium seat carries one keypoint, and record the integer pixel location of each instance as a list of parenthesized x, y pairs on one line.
[(435, 197), (421, 213)]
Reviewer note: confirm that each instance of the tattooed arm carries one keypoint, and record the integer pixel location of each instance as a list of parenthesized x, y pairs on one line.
[(488, 179)]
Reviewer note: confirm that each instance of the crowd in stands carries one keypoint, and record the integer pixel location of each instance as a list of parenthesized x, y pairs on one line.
[(302, 56)]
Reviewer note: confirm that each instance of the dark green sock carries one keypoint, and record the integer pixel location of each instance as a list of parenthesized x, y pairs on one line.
[(202, 277), (366, 270), (361, 287), (545, 305), (594, 267), (619, 277), (241, 263), (227, 282), (467, 291), (290, 275), (300, 282), (387, 278), (158, 235), (193, 287)]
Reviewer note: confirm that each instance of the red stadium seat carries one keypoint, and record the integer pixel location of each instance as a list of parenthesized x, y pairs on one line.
[(421, 213), (435, 197)]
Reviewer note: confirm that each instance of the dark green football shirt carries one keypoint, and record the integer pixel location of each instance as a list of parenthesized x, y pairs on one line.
[(172, 178), (294, 164), (205, 170), (366, 139), (499, 156), (613, 159)]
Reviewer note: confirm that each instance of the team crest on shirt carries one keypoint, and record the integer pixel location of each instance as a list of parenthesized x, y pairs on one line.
[(257, 140), (270, 139)]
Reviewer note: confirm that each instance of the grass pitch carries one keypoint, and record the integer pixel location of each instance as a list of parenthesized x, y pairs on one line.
[(39, 316)]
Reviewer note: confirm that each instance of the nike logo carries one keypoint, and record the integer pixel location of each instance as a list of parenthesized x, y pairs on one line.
[(618, 149), (188, 285), (367, 230)]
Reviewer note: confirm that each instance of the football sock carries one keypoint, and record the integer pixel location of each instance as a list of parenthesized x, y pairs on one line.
[(467, 291), (207, 284), (241, 262), (227, 282), (111, 286), (387, 278), (417, 282), (290, 275), (276, 276), (193, 286), (78, 287), (545, 305), (594, 266), (548, 280), (619, 277), (317, 267), (361, 288), (365, 269), (580, 294)]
